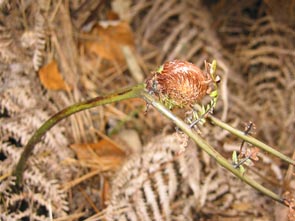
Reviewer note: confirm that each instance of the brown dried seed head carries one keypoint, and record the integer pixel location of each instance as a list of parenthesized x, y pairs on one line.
[(179, 81)]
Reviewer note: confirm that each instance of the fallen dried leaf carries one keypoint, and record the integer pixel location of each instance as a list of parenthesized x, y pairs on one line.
[(110, 38), (254, 153), (242, 207), (103, 155), (51, 78), (105, 194)]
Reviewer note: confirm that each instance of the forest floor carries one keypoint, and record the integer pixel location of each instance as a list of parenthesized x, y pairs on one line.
[(57, 53)]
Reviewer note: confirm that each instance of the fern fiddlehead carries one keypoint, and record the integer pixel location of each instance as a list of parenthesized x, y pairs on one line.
[(179, 84)]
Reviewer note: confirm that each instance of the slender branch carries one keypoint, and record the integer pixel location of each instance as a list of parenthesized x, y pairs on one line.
[(250, 139), (209, 149), (28, 149)]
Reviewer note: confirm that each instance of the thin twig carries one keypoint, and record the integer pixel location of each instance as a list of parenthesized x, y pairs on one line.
[(246, 132)]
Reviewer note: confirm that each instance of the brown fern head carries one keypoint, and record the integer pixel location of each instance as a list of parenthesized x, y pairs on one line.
[(179, 83)]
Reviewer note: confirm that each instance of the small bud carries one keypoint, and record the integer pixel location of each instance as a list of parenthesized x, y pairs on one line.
[(179, 83)]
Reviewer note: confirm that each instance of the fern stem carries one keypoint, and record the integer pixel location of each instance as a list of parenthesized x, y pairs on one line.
[(250, 139), (139, 91), (209, 149), (132, 92)]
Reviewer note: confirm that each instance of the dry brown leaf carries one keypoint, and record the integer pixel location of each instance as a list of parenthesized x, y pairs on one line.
[(242, 207), (100, 149), (103, 155), (51, 78), (110, 39), (105, 194), (253, 153)]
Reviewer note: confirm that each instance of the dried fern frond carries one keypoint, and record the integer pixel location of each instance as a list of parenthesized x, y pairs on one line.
[(164, 183), (268, 62), (25, 105), (6, 55), (41, 193), (40, 198), (21, 113), (40, 42), (261, 50), (149, 183)]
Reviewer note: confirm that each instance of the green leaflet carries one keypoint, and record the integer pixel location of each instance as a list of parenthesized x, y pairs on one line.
[(160, 69), (236, 162), (205, 109)]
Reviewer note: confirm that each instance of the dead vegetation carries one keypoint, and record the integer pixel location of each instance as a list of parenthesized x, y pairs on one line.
[(55, 53)]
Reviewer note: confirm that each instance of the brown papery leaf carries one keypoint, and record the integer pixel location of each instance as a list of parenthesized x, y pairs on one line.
[(102, 155), (109, 40), (242, 206), (51, 78), (252, 153)]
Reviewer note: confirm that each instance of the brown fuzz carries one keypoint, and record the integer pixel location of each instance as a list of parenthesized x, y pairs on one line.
[(182, 82)]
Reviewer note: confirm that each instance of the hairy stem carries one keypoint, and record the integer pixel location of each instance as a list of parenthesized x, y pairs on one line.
[(250, 139), (209, 149), (28, 149)]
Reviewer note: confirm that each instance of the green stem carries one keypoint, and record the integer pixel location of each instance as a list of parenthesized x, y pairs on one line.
[(132, 92), (138, 91), (250, 139), (209, 149)]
